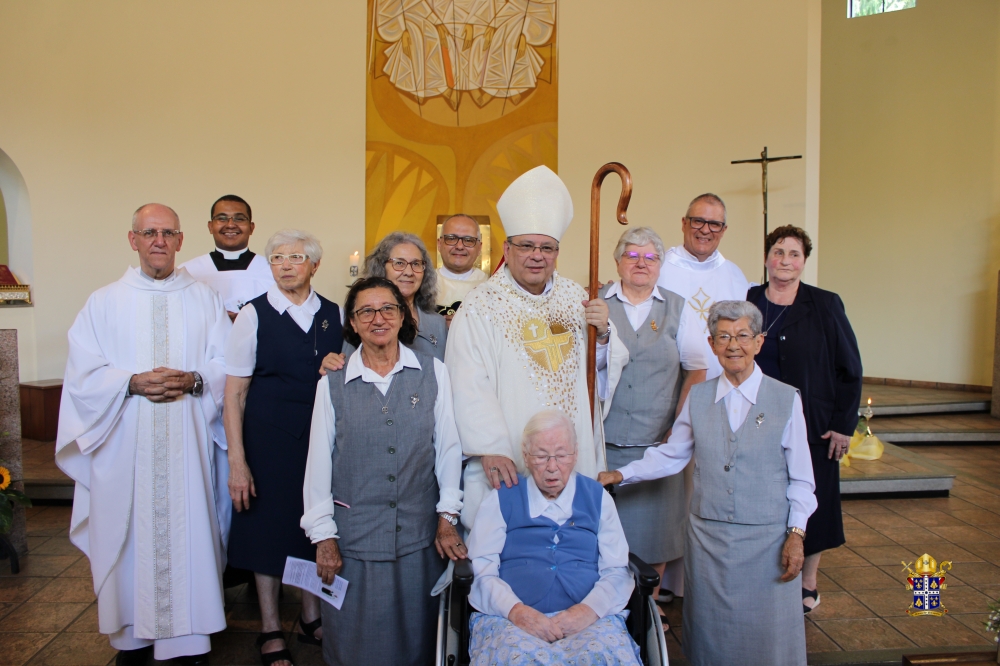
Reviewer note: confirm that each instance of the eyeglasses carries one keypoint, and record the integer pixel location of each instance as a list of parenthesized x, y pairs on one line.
[(400, 265), (542, 461), (713, 225), (295, 259), (744, 339), (529, 248), (150, 234), (367, 315), (467, 241), (239, 218), (633, 257)]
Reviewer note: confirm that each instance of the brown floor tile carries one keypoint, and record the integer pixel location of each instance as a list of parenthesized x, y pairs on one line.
[(990, 552), (866, 536), (886, 602), (81, 569), (884, 555), (944, 551), (16, 588), (86, 622), (674, 651), (246, 617), (67, 589), (840, 606), (851, 523), (840, 557), (36, 541), (44, 617), (864, 634), (907, 535), (860, 507), (6, 608), (42, 565), (977, 517), (817, 641), (931, 519), (58, 546), (861, 578), (825, 584), (964, 599), (974, 621), (962, 534), (235, 648), (19, 648), (884, 520), (976, 573), (931, 631), (77, 650), (311, 655)]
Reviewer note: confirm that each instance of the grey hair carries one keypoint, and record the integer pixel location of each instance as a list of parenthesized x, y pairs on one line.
[(734, 311), (135, 215), (544, 421), (640, 236), (426, 296), (479, 232), (711, 198), (310, 244)]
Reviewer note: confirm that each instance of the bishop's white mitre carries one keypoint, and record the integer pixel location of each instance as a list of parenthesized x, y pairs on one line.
[(536, 203)]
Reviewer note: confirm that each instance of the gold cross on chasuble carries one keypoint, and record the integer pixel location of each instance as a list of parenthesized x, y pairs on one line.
[(547, 346)]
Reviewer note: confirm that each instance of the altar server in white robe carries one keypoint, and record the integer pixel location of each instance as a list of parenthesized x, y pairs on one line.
[(232, 269), (702, 276), (141, 434), (518, 345)]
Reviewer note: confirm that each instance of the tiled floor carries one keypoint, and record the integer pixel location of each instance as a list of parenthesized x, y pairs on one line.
[(935, 423), (48, 615), (883, 395)]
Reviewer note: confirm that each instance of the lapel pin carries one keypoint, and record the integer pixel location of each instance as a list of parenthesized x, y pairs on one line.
[(433, 339), (652, 325), (414, 399), (760, 419), (325, 325)]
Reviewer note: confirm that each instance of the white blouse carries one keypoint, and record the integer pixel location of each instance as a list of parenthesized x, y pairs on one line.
[(672, 457), (317, 493), (691, 357), (493, 596)]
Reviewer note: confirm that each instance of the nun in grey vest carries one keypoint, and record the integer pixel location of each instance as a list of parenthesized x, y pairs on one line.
[(647, 397), (381, 492), (753, 494)]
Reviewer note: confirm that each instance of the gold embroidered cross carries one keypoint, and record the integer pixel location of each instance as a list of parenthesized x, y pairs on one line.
[(547, 347)]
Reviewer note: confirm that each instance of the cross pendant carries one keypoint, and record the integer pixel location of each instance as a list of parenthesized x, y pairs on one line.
[(727, 468), (385, 410)]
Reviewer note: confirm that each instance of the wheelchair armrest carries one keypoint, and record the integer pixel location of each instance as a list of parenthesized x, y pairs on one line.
[(459, 609), (463, 573), (646, 577)]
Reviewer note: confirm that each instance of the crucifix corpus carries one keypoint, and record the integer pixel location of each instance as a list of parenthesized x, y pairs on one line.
[(595, 254), (763, 161)]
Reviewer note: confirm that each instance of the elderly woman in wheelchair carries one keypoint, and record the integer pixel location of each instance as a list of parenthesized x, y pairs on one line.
[(550, 562)]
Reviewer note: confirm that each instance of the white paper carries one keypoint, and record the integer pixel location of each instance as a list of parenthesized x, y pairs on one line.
[(302, 574)]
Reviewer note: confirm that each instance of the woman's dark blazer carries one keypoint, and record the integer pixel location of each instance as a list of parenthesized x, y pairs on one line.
[(818, 354)]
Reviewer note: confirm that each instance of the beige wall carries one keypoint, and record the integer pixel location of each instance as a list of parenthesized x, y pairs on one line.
[(108, 105), (909, 181)]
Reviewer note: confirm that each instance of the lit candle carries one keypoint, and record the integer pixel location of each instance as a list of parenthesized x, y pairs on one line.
[(356, 259)]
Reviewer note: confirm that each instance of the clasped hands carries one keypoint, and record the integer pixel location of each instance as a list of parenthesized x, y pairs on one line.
[(571, 621), (161, 384)]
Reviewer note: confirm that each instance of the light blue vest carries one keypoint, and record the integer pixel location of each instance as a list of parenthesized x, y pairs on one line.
[(546, 575)]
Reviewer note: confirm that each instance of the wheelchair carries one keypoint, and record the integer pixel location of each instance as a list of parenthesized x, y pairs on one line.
[(643, 620)]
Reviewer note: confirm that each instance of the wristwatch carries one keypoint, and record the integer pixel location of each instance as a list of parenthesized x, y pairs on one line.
[(451, 518), (199, 385), (797, 530), (607, 333)]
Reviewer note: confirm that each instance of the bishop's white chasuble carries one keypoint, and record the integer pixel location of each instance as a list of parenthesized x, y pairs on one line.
[(150, 508), (512, 354)]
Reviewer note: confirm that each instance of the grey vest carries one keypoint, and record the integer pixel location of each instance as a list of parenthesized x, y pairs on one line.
[(753, 490), (645, 400), (383, 464)]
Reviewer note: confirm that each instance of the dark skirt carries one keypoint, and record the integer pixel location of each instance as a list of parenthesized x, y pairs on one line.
[(825, 529), (263, 536), (389, 616)]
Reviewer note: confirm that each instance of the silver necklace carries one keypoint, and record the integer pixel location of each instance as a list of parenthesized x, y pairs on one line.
[(767, 308), (385, 405)]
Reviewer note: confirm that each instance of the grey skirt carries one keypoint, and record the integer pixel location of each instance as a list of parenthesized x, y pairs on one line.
[(653, 513), (736, 609), (389, 616)]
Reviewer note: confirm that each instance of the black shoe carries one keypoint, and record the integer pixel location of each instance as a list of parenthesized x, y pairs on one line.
[(192, 660), (134, 657)]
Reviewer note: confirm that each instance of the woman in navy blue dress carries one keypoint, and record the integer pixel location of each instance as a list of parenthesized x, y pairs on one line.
[(274, 355)]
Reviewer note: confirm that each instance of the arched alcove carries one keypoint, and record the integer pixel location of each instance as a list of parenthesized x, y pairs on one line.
[(16, 228)]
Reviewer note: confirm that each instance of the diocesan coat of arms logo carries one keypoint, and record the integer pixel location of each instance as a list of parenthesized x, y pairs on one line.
[(926, 582)]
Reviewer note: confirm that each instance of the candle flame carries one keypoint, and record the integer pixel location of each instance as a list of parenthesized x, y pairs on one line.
[(869, 402), (356, 254)]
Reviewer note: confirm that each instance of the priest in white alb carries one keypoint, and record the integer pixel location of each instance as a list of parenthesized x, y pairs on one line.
[(460, 245), (140, 432), (698, 272), (518, 345), (232, 269)]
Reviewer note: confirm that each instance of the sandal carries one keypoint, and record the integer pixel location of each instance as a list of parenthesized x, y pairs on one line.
[(809, 594), (308, 633), (665, 597), (665, 622), (268, 658)]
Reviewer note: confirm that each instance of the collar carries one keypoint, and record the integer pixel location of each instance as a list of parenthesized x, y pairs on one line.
[(616, 290), (548, 285), (280, 302), (747, 389), (452, 275), (538, 503), (165, 280), (226, 254), (679, 256), (176, 281), (356, 367)]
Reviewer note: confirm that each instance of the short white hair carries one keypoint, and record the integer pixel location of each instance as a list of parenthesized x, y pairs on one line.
[(734, 311), (545, 421), (310, 244), (640, 236)]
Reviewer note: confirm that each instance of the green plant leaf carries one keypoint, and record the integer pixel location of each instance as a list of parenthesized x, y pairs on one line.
[(21, 498)]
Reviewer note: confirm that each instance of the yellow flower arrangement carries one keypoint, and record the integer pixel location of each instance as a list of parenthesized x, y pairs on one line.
[(4, 478), (8, 498)]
